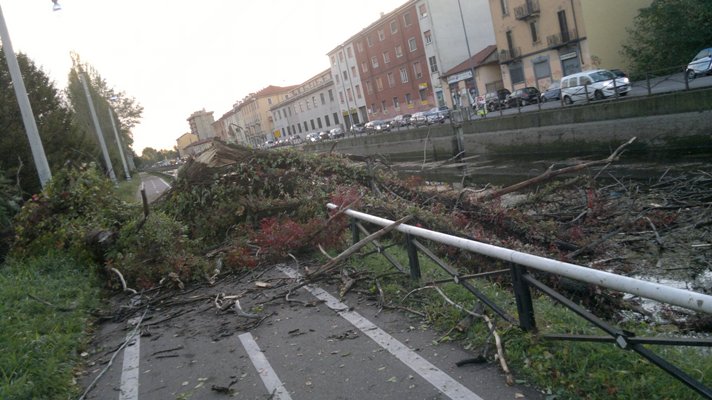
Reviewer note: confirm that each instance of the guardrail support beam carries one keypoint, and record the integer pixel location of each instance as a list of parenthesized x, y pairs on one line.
[(355, 235), (412, 258), (523, 296)]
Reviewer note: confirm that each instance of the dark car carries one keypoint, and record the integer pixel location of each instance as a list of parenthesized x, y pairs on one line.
[(523, 97), (358, 128), (381, 126), (496, 100), (444, 111), (552, 93)]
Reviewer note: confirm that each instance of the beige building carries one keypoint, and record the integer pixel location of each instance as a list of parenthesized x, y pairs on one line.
[(539, 41), (184, 141), (201, 124), (254, 112), (229, 127)]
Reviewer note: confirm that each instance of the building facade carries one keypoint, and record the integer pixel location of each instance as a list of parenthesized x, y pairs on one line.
[(474, 77), (230, 127), (184, 141), (201, 124), (309, 107), (254, 112), (540, 41)]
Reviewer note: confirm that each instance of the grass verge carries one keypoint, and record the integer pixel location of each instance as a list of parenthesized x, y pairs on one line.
[(44, 313), (128, 190), (562, 370)]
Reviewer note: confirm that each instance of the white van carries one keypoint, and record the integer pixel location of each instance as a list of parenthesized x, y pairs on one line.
[(593, 85), (700, 65)]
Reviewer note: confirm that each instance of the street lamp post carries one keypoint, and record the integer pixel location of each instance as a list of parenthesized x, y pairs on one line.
[(28, 117), (119, 143), (99, 133)]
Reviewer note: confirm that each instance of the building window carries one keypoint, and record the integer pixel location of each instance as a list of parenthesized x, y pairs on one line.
[(314, 101), (408, 100), (323, 99), (386, 57), (505, 7), (318, 122), (406, 19), (359, 46), (428, 37), (510, 43), (374, 62), (364, 66), (353, 71), (336, 119), (391, 80), (369, 87), (399, 51), (300, 128), (306, 127), (433, 64), (534, 28), (404, 74), (394, 26), (516, 72), (346, 75), (336, 78), (357, 89), (542, 69), (379, 84), (412, 44), (373, 108), (381, 35), (423, 11), (341, 56), (349, 53), (396, 104), (341, 97), (423, 94), (349, 95), (326, 118), (312, 124), (383, 106), (417, 70), (331, 95), (369, 42)]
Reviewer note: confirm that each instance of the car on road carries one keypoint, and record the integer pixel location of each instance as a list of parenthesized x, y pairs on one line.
[(358, 128), (700, 65), (418, 119), (400, 121), (592, 85), (379, 126), (435, 116), (313, 137), (496, 100), (444, 111), (522, 97), (336, 133), (553, 92)]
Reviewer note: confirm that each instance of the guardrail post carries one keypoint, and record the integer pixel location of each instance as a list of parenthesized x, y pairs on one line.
[(585, 92), (354, 231), (647, 81), (687, 81), (525, 308), (412, 258)]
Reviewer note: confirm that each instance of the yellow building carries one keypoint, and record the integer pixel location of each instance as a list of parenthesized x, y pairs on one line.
[(184, 141), (539, 41), (254, 112)]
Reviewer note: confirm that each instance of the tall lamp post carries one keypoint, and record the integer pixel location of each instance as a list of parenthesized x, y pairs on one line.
[(119, 143), (28, 117), (95, 119)]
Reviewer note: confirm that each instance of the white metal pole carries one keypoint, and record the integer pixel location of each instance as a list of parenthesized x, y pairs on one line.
[(120, 144), (28, 118), (99, 133), (679, 297)]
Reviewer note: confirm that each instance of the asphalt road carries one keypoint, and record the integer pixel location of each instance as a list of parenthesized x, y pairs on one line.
[(153, 185), (326, 349)]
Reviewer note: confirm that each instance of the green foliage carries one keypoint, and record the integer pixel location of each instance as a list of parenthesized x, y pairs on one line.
[(10, 202), (76, 202), (150, 156), (668, 33), (44, 309)]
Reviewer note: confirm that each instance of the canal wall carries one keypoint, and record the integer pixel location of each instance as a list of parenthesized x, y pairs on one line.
[(671, 125)]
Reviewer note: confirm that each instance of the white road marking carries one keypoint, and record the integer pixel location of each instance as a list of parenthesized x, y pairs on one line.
[(442, 381), (270, 379), (129, 372), (164, 182)]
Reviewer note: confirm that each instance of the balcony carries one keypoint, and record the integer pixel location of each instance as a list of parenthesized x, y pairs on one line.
[(509, 55), (528, 10), (561, 39)]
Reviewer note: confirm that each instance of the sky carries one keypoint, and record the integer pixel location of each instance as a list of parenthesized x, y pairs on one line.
[(177, 57)]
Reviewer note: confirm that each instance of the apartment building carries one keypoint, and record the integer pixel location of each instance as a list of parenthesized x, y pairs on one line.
[(184, 141), (254, 112), (475, 76), (309, 107), (229, 127), (540, 41), (201, 124), (393, 66)]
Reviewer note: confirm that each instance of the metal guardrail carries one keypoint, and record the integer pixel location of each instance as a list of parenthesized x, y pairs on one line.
[(522, 282)]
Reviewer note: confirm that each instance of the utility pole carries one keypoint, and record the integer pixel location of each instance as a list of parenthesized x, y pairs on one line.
[(99, 133), (118, 143), (28, 118)]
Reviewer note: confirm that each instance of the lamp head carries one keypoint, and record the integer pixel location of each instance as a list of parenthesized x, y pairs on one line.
[(56, 6)]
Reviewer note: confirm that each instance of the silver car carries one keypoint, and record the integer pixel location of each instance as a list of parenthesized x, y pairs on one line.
[(700, 65), (593, 85)]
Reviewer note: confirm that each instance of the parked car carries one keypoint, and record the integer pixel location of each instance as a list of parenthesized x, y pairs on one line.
[(496, 100), (618, 73), (700, 65), (400, 121), (380, 126), (522, 97), (444, 111), (553, 92), (358, 128), (419, 118), (593, 85), (336, 133), (434, 116), (313, 137)]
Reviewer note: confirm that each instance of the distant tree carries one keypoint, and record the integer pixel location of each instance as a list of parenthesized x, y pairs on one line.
[(61, 141), (668, 33)]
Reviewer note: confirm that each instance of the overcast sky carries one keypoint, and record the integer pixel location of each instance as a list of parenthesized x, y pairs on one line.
[(176, 57)]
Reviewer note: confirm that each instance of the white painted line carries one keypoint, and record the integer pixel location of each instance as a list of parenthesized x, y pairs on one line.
[(164, 182), (129, 372), (270, 379), (442, 381)]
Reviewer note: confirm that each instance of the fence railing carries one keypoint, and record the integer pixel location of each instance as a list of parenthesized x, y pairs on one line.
[(523, 282)]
